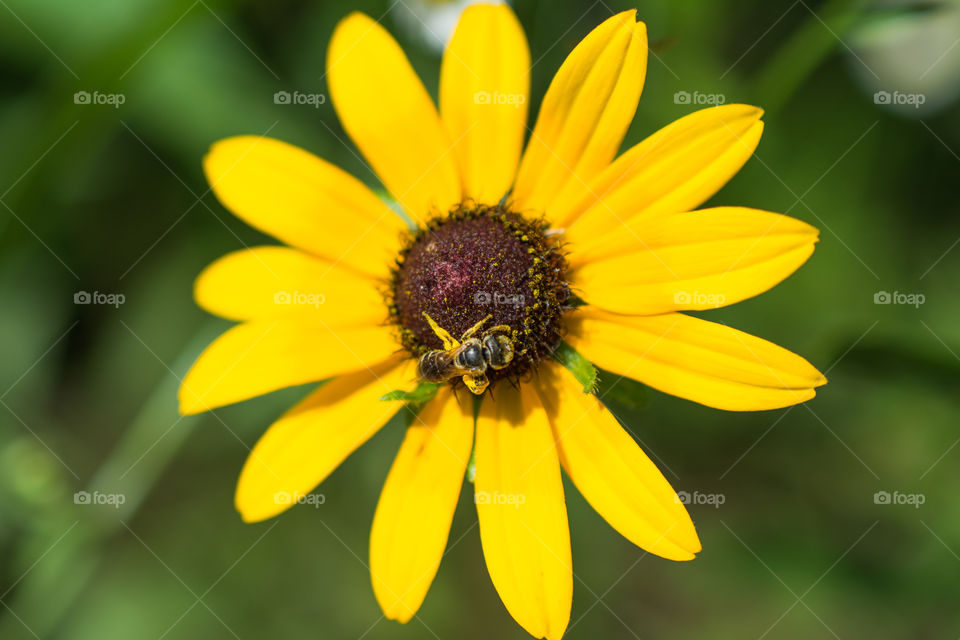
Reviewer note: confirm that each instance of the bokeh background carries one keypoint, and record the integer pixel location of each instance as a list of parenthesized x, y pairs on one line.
[(799, 539)]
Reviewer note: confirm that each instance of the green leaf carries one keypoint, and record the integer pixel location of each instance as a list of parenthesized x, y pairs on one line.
[(422, 394), (580, 367)]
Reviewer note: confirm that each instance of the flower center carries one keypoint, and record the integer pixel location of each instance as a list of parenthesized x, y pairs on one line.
[(486, 269)]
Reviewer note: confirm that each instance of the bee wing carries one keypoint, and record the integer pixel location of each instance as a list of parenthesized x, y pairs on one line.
[(439, 366)]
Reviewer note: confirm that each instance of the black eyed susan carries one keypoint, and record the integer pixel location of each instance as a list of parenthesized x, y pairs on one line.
[(559, 242)]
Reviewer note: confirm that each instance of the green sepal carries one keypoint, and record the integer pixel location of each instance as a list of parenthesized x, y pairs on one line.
[(422, 394), (472, 466), (581, 368)]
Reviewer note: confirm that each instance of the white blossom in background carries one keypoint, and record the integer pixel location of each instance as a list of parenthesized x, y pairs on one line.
[(431, 21), (908, 55)]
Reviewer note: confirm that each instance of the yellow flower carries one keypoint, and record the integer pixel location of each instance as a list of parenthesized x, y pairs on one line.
[(561, 242)]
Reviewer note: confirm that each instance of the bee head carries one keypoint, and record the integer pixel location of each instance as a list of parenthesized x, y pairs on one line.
[(497, 351)]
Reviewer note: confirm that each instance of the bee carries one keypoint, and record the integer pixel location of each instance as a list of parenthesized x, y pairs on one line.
[(467, 357)]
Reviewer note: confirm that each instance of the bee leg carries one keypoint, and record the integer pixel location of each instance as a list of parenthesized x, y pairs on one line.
[(500, 328), (449, 342), (472, 330)]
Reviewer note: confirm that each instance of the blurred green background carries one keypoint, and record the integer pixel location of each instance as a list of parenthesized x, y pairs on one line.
[(110, 198)]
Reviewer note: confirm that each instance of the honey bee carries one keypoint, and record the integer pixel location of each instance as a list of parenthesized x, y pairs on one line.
[(467, 357)]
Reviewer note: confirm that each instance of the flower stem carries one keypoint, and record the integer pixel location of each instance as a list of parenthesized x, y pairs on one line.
[(787, 70), (70, 541)]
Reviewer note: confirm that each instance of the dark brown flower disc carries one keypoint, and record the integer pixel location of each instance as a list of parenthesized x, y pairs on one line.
[(476, 262)]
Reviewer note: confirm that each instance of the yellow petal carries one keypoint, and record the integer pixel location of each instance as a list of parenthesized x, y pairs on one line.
[(416, 507), (265, 282), (304, 446), (260, 356), (585, 113), (696, 260), (612, 471), (676, 169), (389, 115), (523, 517), (304, 201), (484, 84), (694, 359)]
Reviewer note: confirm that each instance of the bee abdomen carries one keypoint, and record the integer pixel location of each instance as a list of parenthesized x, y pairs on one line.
[(434, 366)]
